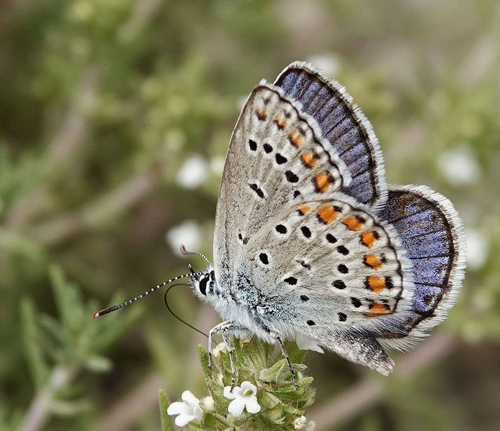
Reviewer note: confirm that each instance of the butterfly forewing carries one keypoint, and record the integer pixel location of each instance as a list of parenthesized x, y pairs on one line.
[(276, 157), (344, 126)]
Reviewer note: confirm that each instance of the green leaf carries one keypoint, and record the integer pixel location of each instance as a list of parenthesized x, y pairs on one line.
[(274, 373), (107, 330), (204, 361), (296, 355), (99, 364), (167, 423), (269, 400), (34, 352), (68, 303)]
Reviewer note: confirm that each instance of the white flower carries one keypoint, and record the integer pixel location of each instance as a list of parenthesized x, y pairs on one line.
[(188, 410), (208, 403), (311, 426), (220, 348), (189, 234), (303, 424), (460, 166), (242, 397), (193, 172), (300, 423)]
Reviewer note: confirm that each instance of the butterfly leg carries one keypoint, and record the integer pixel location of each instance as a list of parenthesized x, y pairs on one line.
[(285, 354), (224, 328)]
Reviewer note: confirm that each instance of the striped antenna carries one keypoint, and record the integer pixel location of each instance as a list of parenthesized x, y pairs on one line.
[(197, 253), (153, 289)]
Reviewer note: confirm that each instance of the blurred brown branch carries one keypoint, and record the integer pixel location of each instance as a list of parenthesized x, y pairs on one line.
[(124, 412), (369, 390), (40, 408), (61, 150), (94, 214)]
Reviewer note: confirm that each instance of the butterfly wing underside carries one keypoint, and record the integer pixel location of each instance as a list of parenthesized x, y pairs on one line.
[(431, 232), (277, 156), (305, 217), (334, 273), (344, 126)]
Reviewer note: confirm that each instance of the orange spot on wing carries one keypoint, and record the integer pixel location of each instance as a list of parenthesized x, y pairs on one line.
[(376, 284), (327, 214), (322, 182), (304, 209), (261, 115), (281, 123), (368, 239), (377, 309), (308, 159), (373, 261), (353, 223), (295, 138)]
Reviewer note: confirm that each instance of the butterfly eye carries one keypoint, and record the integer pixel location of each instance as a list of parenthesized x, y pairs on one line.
[(203, 285)]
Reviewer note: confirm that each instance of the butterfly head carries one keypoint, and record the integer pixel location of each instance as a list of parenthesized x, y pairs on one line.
[(204, 282)]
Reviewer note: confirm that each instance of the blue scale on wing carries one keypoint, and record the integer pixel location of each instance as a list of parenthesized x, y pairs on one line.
[(343, 125), (427, 235)]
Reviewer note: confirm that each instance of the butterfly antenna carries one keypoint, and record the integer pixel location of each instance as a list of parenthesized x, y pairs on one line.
[(186, 253), (153, 289)]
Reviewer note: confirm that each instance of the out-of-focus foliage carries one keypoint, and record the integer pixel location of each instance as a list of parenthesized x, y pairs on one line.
[(115, 116)]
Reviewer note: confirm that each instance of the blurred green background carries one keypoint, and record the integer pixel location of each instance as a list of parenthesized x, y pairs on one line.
[(115, 116)]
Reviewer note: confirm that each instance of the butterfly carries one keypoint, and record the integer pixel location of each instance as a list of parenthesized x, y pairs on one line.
[(311, 244)]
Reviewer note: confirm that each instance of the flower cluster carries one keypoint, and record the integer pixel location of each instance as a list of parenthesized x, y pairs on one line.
[(189, 409), (267, 395)]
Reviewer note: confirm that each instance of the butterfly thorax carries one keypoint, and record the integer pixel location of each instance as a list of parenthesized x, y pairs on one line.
[(239, 301)]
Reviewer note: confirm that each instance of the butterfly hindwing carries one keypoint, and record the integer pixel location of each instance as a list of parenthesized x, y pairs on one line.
[(329, 271), (345, 127), (276, 156), (332, 263), (432, 233)]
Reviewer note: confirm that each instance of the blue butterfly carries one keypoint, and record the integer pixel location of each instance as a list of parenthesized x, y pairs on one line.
[(311, 244)]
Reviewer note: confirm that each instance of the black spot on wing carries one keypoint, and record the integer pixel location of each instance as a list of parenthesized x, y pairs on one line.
[(258, 191), (306, 231), (291, 177), (252, 144), (339, 284), (330, 238), (280, 228), (342, 250), (356, 302), (280, 159), (343, 269)]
